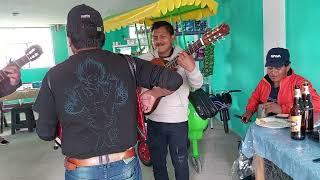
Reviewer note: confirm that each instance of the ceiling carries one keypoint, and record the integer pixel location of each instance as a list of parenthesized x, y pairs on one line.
[(43, 13)]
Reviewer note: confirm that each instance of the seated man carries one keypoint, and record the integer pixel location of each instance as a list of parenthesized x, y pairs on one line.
[(276, 90)]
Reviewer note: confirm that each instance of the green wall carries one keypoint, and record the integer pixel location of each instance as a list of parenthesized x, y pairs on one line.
[(116, 36), (33, 75), (239, 58), (303, 38), (60, 46)]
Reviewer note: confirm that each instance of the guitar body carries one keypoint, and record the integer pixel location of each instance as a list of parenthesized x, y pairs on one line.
[(159, 61), (207, 39)]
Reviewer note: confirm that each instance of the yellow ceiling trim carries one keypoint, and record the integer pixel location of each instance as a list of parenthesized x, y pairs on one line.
[(158, 11)]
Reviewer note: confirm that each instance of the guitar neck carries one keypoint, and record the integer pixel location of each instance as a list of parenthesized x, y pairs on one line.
[(190, 50), (19, 63)]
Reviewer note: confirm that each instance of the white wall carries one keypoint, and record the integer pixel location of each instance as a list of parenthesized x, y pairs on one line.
[(274, 24)]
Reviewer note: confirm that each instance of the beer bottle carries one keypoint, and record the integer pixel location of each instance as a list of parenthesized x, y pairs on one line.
[(308, 108), (298, 128)]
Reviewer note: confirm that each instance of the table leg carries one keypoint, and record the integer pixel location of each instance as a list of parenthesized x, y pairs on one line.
[(259, 168)]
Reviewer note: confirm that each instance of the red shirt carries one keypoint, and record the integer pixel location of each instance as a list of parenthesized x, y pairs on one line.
[(285, 95)]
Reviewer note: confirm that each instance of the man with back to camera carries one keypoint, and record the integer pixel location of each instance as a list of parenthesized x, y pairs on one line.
[(8, 85), (92, 95)]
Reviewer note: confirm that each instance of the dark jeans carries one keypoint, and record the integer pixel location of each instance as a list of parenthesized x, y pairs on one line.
[(160, 135)]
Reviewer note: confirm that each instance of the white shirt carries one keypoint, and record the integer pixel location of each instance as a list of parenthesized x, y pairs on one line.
[(174, 107)]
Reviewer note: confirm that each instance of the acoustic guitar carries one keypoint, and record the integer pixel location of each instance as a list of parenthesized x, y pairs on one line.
[(31, 54), (208, 38)]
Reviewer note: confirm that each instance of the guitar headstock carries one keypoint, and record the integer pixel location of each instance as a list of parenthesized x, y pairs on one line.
[(33, 52), (215, 34)]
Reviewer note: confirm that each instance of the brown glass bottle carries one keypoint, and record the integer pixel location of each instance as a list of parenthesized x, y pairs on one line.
[(298, 128), (308, 107)]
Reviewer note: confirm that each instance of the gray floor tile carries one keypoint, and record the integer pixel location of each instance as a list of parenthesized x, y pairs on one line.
[(29, 158)]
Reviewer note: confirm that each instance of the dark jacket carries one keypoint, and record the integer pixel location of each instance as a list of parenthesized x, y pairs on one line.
[(92, 95)]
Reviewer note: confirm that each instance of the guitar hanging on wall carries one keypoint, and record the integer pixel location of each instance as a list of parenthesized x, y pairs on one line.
[(31, 54), (208, 38)]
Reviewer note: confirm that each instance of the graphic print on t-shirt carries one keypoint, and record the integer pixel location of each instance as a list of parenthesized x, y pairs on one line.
[(97, 96)]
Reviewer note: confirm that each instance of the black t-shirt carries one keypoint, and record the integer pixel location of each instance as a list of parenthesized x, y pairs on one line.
[(92, 95), (273, 96)]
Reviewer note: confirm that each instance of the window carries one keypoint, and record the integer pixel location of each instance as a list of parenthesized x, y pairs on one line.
[(14, 42)]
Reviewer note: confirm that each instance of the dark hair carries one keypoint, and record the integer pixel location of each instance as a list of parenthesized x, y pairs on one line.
[(87, 39), (158, 24)]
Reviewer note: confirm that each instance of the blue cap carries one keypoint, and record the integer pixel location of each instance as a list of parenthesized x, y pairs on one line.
[(277, 57)]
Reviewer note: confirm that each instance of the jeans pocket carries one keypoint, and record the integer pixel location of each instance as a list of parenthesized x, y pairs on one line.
[(84, 173), (127, 161), (126, 171)]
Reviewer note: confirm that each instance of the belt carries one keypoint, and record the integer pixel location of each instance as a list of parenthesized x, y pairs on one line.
[(72, 163)]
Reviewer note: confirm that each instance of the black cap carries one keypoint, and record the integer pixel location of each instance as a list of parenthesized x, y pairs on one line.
[(277, 57), (83, 17)]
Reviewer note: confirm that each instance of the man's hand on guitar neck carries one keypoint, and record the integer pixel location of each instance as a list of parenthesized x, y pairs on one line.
[(186, 61), (149, 97), (13, 73)]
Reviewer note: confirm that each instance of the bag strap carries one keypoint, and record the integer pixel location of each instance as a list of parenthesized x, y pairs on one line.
[(140, 115), (132, 64)]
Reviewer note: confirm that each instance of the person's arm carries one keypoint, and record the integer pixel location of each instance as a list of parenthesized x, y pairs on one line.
[(194, 76), (10, 83), (195, 79), (253, 103), (273, 107), (149, 97), (149, 75), (160, 92), (246, 116), (285, 108), (254, 100), (45, 105), (6, 88)]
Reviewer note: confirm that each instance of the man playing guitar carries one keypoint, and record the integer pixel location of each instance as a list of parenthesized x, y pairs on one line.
[(8, 85), (10, 75), (167, 124)]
